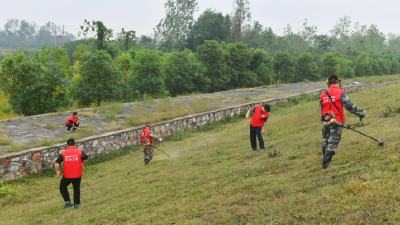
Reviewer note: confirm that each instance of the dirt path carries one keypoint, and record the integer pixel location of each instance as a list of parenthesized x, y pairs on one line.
[(32, 131)]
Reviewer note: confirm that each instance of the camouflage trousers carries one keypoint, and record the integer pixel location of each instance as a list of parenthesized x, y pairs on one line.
[(148, 152), (331, 137)]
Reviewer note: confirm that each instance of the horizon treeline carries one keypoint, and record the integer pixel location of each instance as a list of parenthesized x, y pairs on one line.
[(214, 52), (22, 34)]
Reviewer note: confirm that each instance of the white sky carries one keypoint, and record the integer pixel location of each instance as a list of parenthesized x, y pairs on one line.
[(143, 15)]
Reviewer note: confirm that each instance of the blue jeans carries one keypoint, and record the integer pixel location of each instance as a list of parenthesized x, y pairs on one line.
[(256, 131)]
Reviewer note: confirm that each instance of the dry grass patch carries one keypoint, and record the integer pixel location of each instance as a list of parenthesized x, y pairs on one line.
[(34, 124)]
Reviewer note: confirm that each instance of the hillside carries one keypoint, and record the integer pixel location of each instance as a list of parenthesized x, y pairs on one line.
[(214, 177)]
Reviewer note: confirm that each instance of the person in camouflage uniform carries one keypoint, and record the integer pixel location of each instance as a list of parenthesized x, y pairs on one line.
[(331, 134), (147, 140)]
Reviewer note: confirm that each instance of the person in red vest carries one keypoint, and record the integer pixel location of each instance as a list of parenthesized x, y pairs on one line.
[(74, 161), (331, 103), (72, 122), (148, 143), (257, 125)]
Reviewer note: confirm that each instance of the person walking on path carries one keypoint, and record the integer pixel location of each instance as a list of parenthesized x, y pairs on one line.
[(257, 125), (74, 161), (72, 122), (332, 102), (148, 138)]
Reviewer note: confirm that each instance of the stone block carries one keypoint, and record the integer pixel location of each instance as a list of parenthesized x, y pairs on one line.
[(34, 169), (42, 165), (6, 163), (14, 167), (109, 146), (15, 159), (165, 133), (95, 143), (9, 176), (36, 157), (26, 163), (22, 172), (123, 144), (162, 129)]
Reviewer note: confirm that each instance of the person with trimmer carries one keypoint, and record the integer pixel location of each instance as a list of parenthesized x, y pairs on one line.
[(331, 103), (148, 138), (257, 125)]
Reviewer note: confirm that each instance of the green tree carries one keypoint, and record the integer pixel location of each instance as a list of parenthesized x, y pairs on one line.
[(124, 63), (211, 55), (262, 64), (99, 79), (173, 30), (147, 76), (284, 67), (395, 67), (330, 64), (241, 13), (209, 26), (184, 74), (59, 55), (241, 56), (363, 65), (306, 68), (37, 90)]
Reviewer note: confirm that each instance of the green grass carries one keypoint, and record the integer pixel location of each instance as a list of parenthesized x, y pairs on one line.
[(14, 147), (4, 140), (45, 142), (52, 125), (213, 177)]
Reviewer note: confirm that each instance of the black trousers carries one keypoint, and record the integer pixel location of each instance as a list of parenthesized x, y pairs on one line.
[(70, 125), (256, 132), (76, 183)]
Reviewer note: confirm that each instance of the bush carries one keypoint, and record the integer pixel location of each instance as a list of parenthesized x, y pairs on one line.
[(6, 108), (108, 117), (8, 192), (133, 120), (180, 135)]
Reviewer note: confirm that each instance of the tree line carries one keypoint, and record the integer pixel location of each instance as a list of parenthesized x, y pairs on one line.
[(183, 56), (24, 34)]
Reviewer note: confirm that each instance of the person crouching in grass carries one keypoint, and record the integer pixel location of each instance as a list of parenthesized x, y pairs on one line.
[(72, 122)]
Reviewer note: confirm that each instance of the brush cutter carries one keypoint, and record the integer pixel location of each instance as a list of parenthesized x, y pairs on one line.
[(159, 143), (333, 121)]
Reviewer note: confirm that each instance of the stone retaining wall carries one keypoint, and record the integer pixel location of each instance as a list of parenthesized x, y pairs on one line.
[(18, 164)]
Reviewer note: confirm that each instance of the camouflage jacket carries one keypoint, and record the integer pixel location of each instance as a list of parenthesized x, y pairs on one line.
[(350, 106)]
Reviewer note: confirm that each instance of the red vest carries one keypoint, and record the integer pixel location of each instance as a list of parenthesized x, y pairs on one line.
[(258, 117), (72, 158), (146, 136), (71, 118), (327, 105)]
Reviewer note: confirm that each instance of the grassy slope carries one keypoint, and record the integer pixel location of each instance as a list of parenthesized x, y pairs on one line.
[(215, 177)]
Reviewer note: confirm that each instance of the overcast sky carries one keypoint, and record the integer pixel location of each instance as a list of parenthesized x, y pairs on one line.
[(143, 15)]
